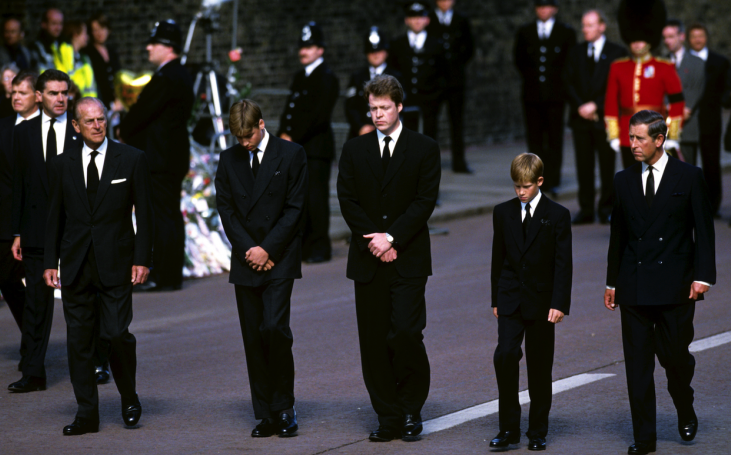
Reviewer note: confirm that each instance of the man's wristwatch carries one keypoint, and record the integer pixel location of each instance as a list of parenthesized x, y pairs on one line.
[(389, 237)]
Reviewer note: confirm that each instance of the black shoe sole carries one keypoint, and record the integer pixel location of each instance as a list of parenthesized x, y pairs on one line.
[(34, 389), (505, 444), (377, 439)]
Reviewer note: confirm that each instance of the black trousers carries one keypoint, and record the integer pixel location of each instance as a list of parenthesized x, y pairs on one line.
[(316, 235), (665, 331), (710, 146), (391, 313), (85, 300), (454, 98), (11, 282), (430, 116), (544, 123), (539, 346), (168, 254), (264, 319), (690, 152), (37, 314), (590, 143)]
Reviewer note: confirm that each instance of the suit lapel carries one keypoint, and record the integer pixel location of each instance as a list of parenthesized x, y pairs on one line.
[(636, 191), (536, 224), (36, 136), (77, 175), (397, 158), (268, 167), (516, 224), (111, 162), (242, 168), (72, 137), (667, 184), (373, 156)]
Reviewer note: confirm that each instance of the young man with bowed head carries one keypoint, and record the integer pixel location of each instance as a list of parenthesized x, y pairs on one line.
[(261, 193), (661, 260), (531, 293), (387, 187)]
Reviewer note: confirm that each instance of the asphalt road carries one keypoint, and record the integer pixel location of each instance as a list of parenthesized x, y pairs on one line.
[(194, 389)]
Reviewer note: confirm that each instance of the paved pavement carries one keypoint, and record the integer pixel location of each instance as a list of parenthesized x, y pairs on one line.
[(194, 389)]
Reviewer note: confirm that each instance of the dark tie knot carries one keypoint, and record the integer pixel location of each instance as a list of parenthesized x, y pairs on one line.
[(53, 120), (650, 168), (387, 140), (94, 154), (527, 207)]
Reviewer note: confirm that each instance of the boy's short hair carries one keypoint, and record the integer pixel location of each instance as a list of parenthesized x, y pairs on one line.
[(384, 85), (244, 118), (526, 167)]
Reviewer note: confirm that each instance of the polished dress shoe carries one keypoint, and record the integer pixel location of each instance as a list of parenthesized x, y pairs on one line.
[(537, 443), (505, 438), (28, 384), (102, 374), (131, 411), (582, 218), (384, 434), (287, 425), (688, 429), (641, 448), (412, 426), (81, 426), (267, 427)]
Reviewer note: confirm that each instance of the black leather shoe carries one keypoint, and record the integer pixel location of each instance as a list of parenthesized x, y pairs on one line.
[(462, 168), (102, 374), (81, 426), (688, 429), (28, 384), (316, 260), (412, 426), (267, 427), (537, 444), (583, 218), (641, 448), (287, 424), (505, 438), (384, 434), (131, 411), (148, 286)]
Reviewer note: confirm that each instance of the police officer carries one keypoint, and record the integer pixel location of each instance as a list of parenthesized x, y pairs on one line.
[(157, 125), (417, 55), (306, 120), (356, 106)]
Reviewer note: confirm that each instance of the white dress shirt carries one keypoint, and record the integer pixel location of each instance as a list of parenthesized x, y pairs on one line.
[(99, 161), (445, 18), (677, 57), (597, 46), (416, 40), (311, 67), (394, 138), (377, 70), (59, 127), (261, 149), (20, 119), (703, 53), (544, 28), (533, 205)]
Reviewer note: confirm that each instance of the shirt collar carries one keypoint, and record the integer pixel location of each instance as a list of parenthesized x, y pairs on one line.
[(533, 203), (264, 141), (19, 118), (379, 69), (416, 37), (394, 136), (703, 53), (311, 67), (548, 24), (102, 149), (659, 166), (679, 54), (61, 119), (442, 15)]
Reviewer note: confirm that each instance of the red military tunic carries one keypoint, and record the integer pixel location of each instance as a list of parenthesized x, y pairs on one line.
[(637, 84)]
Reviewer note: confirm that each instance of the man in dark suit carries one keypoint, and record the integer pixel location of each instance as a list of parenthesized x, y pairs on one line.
[(356, 106), (585, 79), (157, 124), (709, 115), (387, 187), (541, 50), (453, 28), (35, 143), (661, 260), (13, 49), (261, 192), (93, 191), (306, 120), (531, 292)]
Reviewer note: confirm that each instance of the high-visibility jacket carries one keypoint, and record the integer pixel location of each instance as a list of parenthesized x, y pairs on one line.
[(77, 66)]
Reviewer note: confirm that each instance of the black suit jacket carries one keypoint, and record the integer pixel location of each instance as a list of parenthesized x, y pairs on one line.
[(656, 254), (399, 201), (7, 160), (307, 115), (458, 46), (709, 113), (582, 87), (158, 122), (31, 188), (73, 225), (423, 72), (534, 273), (266, 211), (533, 54), (356, 106)]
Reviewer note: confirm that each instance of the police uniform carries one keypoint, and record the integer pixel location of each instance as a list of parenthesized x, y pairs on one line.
[(356, 106), (307, 120)]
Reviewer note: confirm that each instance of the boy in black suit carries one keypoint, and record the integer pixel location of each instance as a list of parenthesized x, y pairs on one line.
[(531, 292)]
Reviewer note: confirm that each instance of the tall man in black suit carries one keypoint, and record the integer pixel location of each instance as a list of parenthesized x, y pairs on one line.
[(261, 192), (541, 50), (585, 79), (93, 191), (306, 120), (709, 115), (453, 28), (157, 125), (387, 187), (35, 143), (661, 260)]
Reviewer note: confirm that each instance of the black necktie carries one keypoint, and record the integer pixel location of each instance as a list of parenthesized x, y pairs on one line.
[(92, 179), (650, 186), (591, 62), (386, 156), (51, 148), (255, 162), (526, 220)]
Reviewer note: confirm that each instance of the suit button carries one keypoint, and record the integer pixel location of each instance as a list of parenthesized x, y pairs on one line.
[(248, 219), (414, 70), (640, 239), (543, 49), (661, 239), (542, 59), (659, 262), (524, 267), (385, 217), (639, 263), (270, 193), (291, 104), (414, 80), (542, 68), (266, 217), (542, 78), (243, 196), (522, 283)]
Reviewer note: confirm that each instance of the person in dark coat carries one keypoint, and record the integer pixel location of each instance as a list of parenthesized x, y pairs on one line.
[(104, 58), (12, 50), (306, 120)]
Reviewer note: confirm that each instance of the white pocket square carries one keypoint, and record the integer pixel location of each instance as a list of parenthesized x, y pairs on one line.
[(118, 181)]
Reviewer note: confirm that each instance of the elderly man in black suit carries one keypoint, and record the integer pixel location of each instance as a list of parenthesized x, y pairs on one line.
[(585, 79), (387, 187), (541, 51), (261, 193), (35, 143), (93, 191), (661, 261)]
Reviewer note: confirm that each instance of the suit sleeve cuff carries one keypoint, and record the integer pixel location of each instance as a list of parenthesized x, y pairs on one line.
[(703, 282), (611, 288)]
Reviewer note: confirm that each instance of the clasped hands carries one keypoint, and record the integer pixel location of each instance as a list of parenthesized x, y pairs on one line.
[(258, 259), (381, 247)]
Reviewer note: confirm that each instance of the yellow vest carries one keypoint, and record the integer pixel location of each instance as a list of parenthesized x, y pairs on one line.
[(78, 67)]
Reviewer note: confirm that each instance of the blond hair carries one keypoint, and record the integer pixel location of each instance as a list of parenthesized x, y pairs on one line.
[(526, 167), (244, 117)]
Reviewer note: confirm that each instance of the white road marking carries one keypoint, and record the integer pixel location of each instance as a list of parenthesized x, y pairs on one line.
[(710, 342)]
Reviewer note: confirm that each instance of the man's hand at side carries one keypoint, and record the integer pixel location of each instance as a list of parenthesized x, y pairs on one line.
[(697, 289), (609, 299), (17, 251), (378, 244), (555, 316), (50, 276), (139, 274)]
